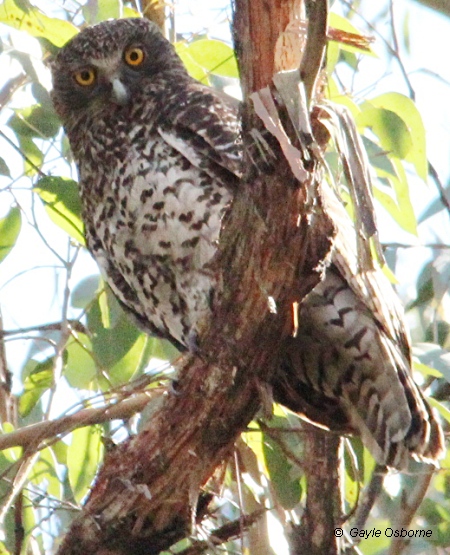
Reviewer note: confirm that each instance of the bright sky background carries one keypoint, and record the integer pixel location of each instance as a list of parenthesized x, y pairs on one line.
[(31, 289)]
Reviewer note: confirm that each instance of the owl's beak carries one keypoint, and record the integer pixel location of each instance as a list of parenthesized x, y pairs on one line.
[(119, 91)]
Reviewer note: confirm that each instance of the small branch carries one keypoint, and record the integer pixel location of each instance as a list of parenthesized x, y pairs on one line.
[(324, 506), (440, 187), (24, 156), (37, 436), (370, 495), (423, 246), (316, 41), (396, 51), (410, 501), (7, 401), (75, 325), (224, 534)]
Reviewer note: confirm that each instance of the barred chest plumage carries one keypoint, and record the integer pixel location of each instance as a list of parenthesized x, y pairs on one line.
[(152, 222)]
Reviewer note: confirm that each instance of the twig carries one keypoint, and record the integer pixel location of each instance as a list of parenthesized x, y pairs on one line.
[(316, 41), (37, 436), (440, 187), (276, 437), (7, 405), (371, 492), (24, 156), (410, 503), (75, 325), (225, 533), (396, 51)]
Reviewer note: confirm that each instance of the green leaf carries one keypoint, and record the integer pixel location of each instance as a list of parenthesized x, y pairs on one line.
[(28, 521), (136, 358), (35, 121), (336, 95), (85, 291), (104, 308), (62, 202), (10, 227), (285, 477), (130, 12), (80, 370), (425, 288), (33, 156), (45, 470), (435, 207), (390, 128), (31, 20), (194, 69), (36, 383), (162, 349), (405, 109), (8, 456), (443, 410), (426, 370), (111, 344), (378, 158), (397, 200), (4, 170), (95, 11), (434, 356), (83, 458), (214, 56), (42, 96)]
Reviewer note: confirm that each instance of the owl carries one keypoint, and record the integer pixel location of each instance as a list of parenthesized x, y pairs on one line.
[(159, 158)]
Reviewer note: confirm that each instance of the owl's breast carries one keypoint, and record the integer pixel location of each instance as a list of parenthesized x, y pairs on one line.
[(156, 218)]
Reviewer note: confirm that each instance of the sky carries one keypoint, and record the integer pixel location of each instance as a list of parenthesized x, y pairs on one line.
[(31, 289)]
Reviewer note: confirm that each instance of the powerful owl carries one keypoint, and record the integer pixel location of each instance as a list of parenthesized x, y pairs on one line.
[(159, 156)]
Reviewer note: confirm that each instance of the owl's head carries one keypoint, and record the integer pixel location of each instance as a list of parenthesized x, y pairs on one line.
[(103, 67)]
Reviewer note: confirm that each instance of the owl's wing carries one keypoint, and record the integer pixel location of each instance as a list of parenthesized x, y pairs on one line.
[(204, 127), (371, 286), (349, 368)]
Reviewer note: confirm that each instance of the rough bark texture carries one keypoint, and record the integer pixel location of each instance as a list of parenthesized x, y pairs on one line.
[(273, 244), (322, 464)]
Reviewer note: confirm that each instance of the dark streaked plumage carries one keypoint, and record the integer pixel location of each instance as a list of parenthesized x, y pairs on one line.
[(159, 156)]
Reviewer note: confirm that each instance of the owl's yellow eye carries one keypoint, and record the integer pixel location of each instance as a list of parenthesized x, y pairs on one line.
[(134, 56), (85, 77)]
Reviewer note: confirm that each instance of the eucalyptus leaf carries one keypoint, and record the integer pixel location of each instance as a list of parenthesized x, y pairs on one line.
[(36, 383), (83, 457), (10, 227), (407, 111), (62, 202), (27, 18), (4, 169)]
